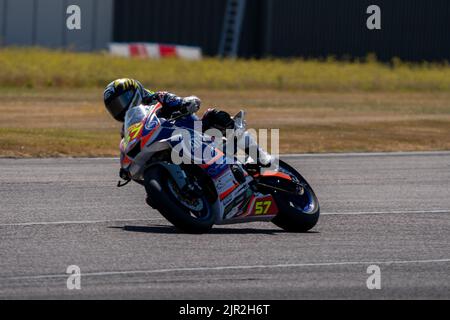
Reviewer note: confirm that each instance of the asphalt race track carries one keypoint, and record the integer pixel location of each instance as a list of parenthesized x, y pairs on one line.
[(391, 210)]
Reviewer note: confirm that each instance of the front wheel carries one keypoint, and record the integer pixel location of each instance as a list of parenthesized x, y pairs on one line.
[(297, 212), (187, 213)]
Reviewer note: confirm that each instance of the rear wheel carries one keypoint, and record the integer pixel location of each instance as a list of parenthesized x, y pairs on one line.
[(297, 212), (187, 212)]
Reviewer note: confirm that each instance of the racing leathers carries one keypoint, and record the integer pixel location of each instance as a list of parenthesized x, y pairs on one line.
[(212, 118)]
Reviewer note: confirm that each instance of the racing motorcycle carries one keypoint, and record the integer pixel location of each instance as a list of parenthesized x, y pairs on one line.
[(194, 196)]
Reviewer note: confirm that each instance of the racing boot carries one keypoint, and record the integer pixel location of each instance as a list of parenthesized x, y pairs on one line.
[(253, 150), (246, 142)]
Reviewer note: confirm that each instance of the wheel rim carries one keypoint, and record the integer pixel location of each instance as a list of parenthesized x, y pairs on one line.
[(198, 208), (304, 203)]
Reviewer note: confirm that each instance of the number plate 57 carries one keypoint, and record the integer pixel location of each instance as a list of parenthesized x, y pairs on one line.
[(262, 207)]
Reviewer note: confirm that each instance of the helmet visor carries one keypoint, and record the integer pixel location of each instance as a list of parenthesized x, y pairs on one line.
[(119, 105)]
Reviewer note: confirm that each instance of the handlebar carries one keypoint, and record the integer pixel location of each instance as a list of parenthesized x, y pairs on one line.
[(178, 115)]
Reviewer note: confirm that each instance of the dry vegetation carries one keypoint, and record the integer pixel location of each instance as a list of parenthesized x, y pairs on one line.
[(51, 101), (63, 122)]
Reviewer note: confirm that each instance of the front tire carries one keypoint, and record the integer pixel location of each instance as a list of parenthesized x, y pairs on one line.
[(297, 213), (161, 190)]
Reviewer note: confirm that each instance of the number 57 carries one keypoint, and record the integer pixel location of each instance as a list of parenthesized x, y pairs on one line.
[(262, 207)]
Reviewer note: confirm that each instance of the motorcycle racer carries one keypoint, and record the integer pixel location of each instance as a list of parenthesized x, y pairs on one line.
[(122, 94)]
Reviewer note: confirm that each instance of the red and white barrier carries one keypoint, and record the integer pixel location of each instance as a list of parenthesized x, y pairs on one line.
[(155, 50)]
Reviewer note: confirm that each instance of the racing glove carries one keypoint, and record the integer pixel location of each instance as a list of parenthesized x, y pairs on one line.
[(191, 104)]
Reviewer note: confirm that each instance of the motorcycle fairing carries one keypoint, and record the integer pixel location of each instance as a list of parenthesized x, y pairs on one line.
[(235, 201)]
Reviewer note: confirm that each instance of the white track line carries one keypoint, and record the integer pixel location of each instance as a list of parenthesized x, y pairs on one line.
[(338, 154), (221, 268), (21, 224), (367, 154), (356, 213), (24, 224)]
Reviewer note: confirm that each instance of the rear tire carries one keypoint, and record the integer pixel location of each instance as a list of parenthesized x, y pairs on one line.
[(291, 217), (161, 196)]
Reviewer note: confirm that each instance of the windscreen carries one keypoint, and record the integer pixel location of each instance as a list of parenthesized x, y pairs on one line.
[(135, 115)]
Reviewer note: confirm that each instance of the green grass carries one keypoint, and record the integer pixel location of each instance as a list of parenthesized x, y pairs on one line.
[(39, 68)]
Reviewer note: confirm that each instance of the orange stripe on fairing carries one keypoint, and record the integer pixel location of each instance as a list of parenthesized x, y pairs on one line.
[(156, 107), (227, 192), (210, 162), (276, 174), (126, 160), (145, 139)]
